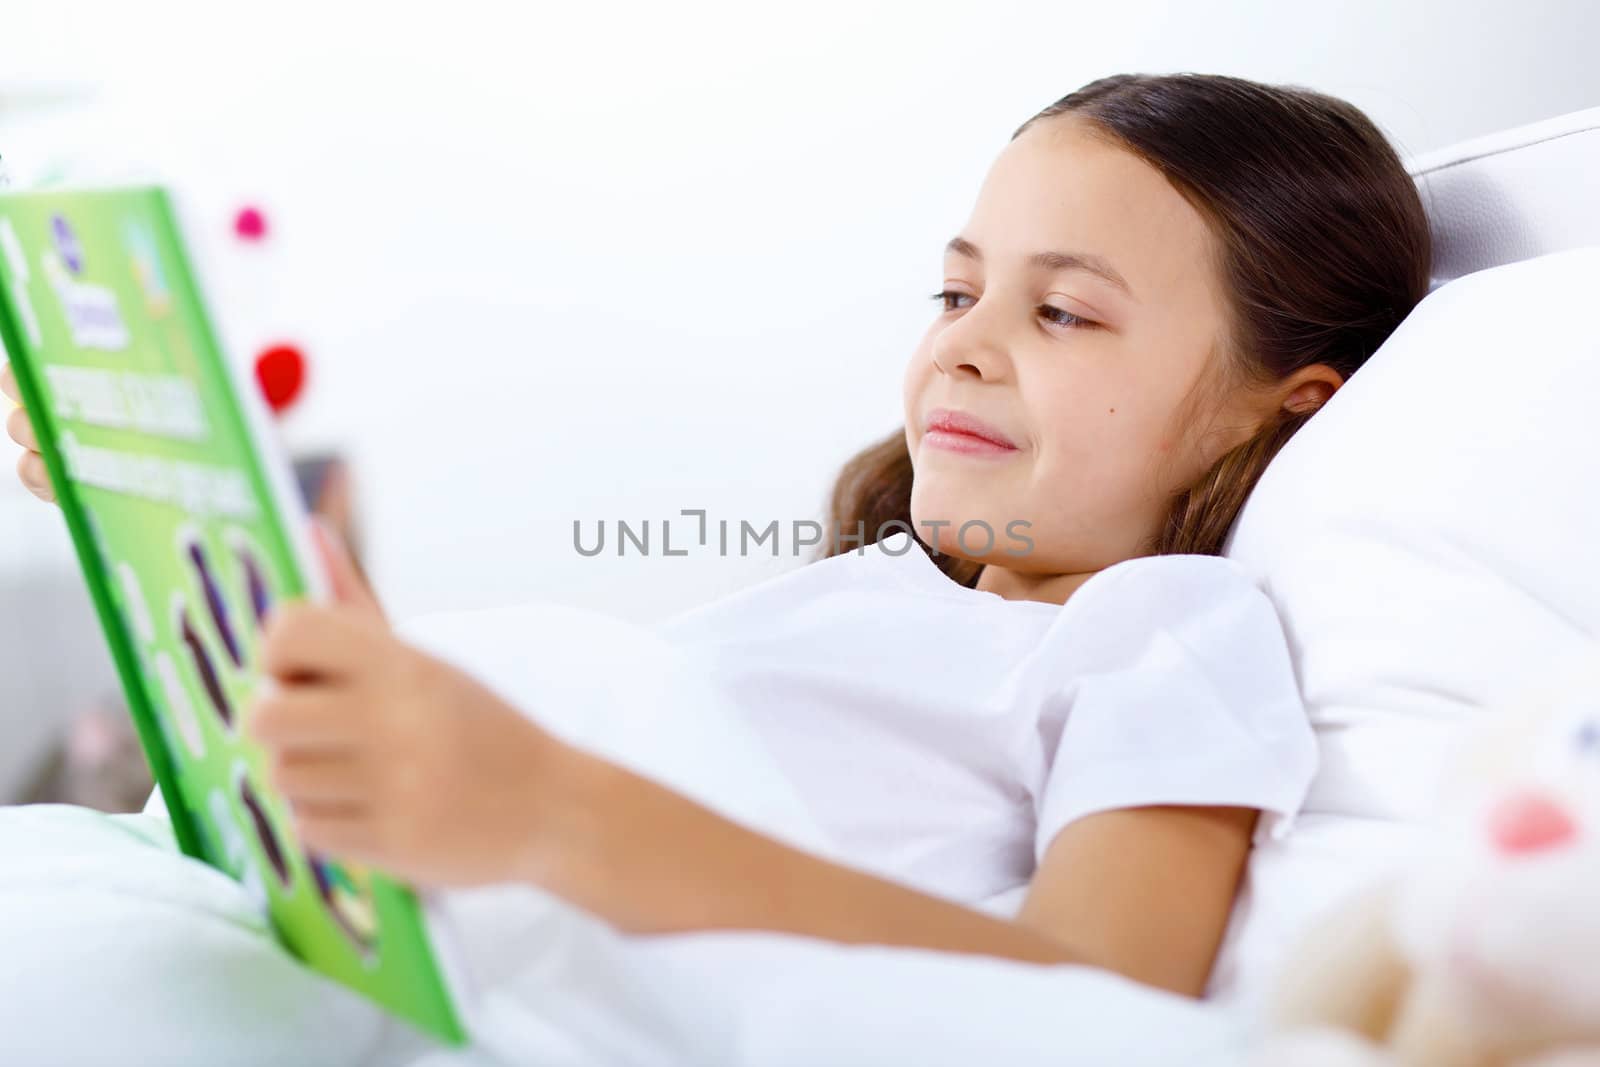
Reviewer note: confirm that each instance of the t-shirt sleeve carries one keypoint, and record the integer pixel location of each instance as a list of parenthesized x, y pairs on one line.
[(1180, 691)]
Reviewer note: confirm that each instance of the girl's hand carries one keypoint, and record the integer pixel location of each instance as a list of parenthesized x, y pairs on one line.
[(30, 465), (344, 577), (393, 758)]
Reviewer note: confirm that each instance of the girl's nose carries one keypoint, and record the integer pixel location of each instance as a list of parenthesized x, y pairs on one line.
[(1528, 821)]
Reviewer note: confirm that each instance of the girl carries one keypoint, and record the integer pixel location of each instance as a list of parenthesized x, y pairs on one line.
[(1041, 715)]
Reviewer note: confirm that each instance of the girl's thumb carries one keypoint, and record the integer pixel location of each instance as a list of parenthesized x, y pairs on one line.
[(344, 577)]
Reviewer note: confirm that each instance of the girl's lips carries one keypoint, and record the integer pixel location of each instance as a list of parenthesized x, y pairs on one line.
[(965, 443), (959, 431)]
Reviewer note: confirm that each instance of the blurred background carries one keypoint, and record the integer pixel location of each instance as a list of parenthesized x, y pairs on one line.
[(545, 263)]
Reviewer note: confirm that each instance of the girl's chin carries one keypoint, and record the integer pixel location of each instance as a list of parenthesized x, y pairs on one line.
[(938, 497), (960, 533)]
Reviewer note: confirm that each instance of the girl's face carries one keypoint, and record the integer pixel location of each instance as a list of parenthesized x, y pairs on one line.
[(1081, 306)]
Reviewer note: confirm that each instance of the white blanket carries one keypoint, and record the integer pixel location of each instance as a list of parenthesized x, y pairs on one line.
[(118, 950)]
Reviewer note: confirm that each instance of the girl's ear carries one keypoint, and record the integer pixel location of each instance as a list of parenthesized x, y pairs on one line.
[(1310, 387), (1305, 400)]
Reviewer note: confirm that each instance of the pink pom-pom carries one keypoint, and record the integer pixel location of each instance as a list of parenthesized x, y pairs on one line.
[(250, 224)]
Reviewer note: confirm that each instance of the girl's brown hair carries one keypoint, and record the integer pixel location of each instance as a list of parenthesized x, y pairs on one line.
[(1324, 248)]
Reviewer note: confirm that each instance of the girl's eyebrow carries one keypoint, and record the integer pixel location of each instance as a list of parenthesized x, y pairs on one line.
[(1096, 265)]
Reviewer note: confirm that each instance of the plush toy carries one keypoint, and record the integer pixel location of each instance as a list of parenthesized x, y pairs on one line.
[(1484, 950)]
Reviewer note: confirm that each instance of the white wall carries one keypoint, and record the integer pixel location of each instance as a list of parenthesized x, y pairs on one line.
[(584, 261)]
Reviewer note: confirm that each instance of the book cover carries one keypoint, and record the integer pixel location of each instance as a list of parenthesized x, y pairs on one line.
[(186, 523)]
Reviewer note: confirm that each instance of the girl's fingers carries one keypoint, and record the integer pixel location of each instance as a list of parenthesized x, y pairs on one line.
[(34, 476), (319, 781), (335, 831), (20, 429), (8, 384), (30, 465), (345, 578), (307, 639), (302, 719)]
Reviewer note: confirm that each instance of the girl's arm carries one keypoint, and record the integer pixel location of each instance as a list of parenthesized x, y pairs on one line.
[(391, 757), (1143, 891)]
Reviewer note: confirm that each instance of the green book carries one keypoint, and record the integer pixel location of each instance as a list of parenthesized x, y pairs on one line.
[(183, 511)]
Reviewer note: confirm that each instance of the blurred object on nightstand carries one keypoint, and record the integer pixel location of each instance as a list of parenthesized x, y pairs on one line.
[(326, 488), (98, 764)]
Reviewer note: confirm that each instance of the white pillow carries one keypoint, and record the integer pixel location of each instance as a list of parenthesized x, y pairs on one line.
[(1432, 541)]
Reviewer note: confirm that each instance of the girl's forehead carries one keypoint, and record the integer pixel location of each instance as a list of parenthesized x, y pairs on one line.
[(1060, 186)]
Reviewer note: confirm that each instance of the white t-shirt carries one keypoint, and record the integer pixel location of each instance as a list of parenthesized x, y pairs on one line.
[(942, 735)]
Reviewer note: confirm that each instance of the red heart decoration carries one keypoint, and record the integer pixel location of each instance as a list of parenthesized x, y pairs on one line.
[(281, 373)]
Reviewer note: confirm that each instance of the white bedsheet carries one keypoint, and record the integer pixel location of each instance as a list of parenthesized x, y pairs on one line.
[(117, 950)]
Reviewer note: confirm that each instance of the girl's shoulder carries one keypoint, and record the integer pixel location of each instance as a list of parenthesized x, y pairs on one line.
[(1172, 682), (1212, 607)]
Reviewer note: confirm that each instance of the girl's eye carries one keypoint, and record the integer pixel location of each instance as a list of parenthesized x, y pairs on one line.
[(1062, 317), (1058, 316)]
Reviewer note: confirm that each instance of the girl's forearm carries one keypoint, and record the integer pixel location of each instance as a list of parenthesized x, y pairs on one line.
[(650, 860)]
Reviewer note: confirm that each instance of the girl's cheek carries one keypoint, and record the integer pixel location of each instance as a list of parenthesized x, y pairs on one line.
[(916, 380)]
